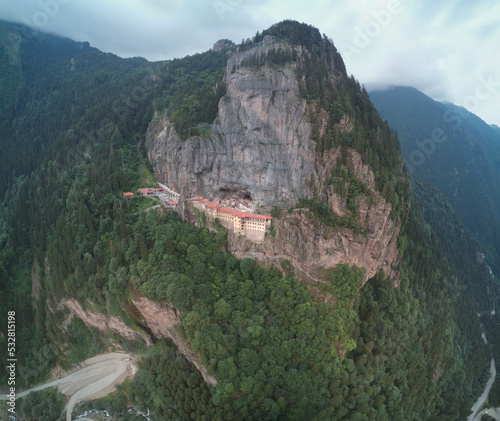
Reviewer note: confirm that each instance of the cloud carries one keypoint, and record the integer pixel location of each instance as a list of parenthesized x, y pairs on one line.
[(443, 49)]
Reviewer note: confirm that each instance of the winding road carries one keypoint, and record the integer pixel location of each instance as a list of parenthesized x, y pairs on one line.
[(484, 396), (95, 379)]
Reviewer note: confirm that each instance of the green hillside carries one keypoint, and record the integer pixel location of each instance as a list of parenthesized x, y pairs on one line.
[(453, 150), (73, 133)]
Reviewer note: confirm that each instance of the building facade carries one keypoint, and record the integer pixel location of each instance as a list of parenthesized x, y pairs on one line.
[(242, 222), (252, 225)]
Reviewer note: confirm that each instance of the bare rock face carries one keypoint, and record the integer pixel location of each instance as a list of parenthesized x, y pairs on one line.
[(260, 144), (101, 321), (312, 247), (162, 319), (222, 44), (261, 147)]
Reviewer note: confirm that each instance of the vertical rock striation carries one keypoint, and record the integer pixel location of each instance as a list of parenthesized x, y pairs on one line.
[(313, 247), (260, 145)]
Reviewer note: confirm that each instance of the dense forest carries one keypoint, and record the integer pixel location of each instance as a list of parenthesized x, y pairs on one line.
[(280, 348), (456, 152)]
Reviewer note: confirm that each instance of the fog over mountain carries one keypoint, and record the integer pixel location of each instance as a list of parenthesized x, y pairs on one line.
[(242, 223), (447, 50)]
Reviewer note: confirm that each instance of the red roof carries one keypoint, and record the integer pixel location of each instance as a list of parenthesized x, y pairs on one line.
[(150, 191), (128, 194), (253, 215), (159, 189), (242, 214), (143, 190), (227, 210), (205, 200), (249, 215), (197, 198), (213, 205), (172, 203)]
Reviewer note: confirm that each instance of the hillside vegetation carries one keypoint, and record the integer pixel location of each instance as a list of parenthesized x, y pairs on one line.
[(279, 347), (455, 151)]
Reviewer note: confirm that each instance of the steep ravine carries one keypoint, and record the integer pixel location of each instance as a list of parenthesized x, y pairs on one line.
[(161, 319)]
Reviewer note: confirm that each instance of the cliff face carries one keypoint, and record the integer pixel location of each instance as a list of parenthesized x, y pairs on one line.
[(161, 320), (312, 247), (100, 321), (260, 145), (305, 242)]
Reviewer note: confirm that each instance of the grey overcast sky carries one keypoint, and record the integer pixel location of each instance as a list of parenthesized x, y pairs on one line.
[(447, 49)]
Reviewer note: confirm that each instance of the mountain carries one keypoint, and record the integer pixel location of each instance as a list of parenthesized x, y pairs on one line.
[(351, 306), (454, 150), (49, 84), (261, 147), (486, 135)]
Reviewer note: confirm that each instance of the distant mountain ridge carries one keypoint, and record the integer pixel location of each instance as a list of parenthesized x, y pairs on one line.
[(488, 136), (288, 329), (454, 150)]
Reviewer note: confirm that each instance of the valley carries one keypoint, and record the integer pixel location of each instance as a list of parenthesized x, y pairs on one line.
[(294, 267)]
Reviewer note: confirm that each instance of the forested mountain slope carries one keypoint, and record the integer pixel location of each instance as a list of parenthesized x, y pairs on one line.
[(452, 149), (488, 136), (282, 342)]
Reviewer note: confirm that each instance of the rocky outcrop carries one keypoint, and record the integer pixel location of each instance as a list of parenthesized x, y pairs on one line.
[(222, 44), (162, 320), (260, 145), (100, 321), (313, 247)]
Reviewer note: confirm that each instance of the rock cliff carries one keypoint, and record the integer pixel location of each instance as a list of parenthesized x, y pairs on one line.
[(161, 320), (100, 321), (260, 145), (312, 247)]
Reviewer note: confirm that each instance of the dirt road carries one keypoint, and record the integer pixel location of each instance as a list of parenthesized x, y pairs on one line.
[(95, 379)]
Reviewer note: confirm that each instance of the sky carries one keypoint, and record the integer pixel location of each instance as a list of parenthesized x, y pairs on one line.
[(447, 49)]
